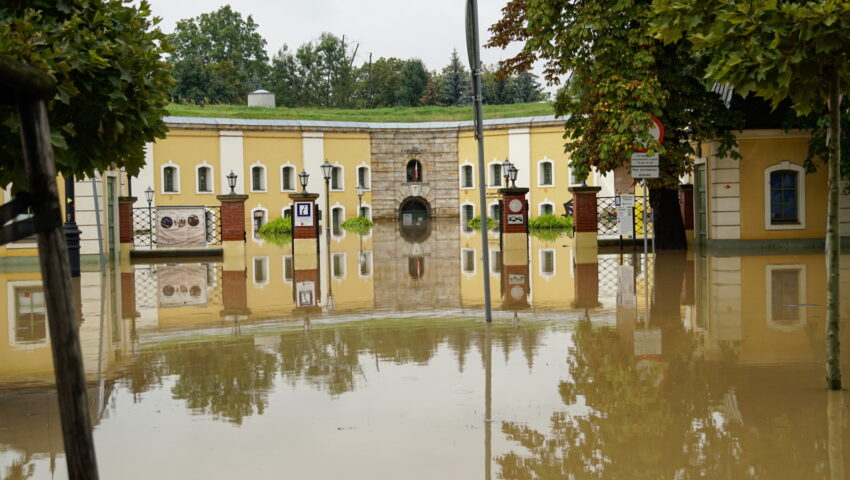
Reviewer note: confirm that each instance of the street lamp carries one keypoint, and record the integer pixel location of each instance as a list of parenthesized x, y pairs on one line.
[(327, 168), (506, 166), (302, 177), (149, 198), (360, 201), (513, 172), (231, 181)]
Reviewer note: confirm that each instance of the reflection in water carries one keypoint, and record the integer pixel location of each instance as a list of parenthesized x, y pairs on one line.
[(707, 367)]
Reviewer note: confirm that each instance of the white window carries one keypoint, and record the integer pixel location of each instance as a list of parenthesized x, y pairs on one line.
[(170, 178), (287, 178), (366, 211), (495, 174), (259, 217), (365, 259), (258, 178), (573, 179), (364, 178), (546, 208), (337, 179), (546, 174), (786, 290), (785, 197), (337, 217), (495, 212), (27, 314), (547, 262), (261, 270), (204, 179), (287, 268), (467, 261), (338, 265), (495, 261), (467, 213), (466, 177)]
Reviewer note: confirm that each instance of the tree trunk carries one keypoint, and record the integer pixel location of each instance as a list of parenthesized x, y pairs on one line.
[(833, 366), (669, 229)]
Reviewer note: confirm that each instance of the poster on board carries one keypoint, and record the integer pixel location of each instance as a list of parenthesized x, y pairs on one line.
[(180, 227), (181, 285)]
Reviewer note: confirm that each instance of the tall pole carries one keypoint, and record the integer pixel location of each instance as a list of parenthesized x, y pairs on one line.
[(327, 215), (72, 232), (474, 50), (150, 224)]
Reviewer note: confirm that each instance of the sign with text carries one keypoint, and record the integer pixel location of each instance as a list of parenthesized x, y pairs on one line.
[(303, 214), (515, 219), (641, 159), (625, 221), (305, 294), (181, 285), (625, 200), (645, 172), (180, 226)]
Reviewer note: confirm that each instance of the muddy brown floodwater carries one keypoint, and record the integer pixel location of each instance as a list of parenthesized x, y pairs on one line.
[(675, 366)]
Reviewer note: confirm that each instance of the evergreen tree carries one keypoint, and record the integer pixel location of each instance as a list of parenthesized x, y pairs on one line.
[(457, 85), (414, 80), (431, 95), (528, 89)]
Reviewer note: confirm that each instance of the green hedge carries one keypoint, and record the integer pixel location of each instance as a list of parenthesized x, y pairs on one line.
[(279, 226), (475, 223), (550, 221), (358, 225)]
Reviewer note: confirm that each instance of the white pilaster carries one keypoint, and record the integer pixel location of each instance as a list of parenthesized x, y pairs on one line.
[(232, 158)]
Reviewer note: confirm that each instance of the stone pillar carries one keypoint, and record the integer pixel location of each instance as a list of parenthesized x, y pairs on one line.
[(686, 205), (515, 281), (125, 226), (585, 219), (306, 278), (232, 220)]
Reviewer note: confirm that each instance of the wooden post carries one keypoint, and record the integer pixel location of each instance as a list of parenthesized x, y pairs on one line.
[(56, 277)]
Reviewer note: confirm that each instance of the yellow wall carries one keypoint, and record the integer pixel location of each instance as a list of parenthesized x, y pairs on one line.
[(187, 149), (761, 153), (548, 143), (495, 149)]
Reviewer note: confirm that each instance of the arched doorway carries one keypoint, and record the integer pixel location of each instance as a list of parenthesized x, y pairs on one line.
[(414, 215)]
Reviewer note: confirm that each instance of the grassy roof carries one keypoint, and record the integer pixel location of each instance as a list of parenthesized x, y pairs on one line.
[(396, 114)]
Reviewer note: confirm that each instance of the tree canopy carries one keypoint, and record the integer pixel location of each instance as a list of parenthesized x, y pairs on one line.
[(106, 57)]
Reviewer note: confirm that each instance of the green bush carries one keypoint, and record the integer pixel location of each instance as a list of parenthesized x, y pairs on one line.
[(359, 225), (550, 234), (550, 221), (475, 223), (279, 226), (277, 238)]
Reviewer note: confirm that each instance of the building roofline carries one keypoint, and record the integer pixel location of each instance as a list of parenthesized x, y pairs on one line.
[(320, 125)]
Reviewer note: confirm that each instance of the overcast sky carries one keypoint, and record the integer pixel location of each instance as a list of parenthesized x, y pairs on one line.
[(387, 28)]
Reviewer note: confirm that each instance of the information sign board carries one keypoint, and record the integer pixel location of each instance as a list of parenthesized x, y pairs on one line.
[(625, 221), (641, 159), (625, 200), (645, 172), (303, 214), (515, 219)]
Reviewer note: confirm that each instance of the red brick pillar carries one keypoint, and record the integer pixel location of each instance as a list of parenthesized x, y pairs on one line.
[(234, 295), (306, 278), (125, 219), (585, 220), (585, 215), (232, 220), (586, 285), (686, 205), (514, 242)]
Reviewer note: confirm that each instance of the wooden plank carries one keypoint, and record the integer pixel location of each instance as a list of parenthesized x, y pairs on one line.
[(56, 277)]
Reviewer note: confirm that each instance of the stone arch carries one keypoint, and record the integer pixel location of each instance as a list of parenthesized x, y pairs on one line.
[(414, 214)]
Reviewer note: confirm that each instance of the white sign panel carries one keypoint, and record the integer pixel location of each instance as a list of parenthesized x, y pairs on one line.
[(644, 172), (641, 159), (180, 226), (305, 294), (625, 221), (181, 285), (515, 219), (407, 219), (626, 200), (303, 214), (516, 279)]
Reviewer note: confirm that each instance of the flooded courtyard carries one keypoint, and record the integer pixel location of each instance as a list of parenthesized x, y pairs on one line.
[(674, 365)]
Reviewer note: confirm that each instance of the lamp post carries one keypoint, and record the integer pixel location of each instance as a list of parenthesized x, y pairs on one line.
[(506, 167), (360, 200), (302, 177), (72, 232), (149, 198), (513, 173), (231, 181), (327, 169)]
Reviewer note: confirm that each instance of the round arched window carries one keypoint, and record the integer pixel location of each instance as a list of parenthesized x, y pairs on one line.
[(414, 171)]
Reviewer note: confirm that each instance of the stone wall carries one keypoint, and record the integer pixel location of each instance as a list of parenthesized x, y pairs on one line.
[(436, 150)]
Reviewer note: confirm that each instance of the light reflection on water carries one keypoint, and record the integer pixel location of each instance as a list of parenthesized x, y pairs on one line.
[(719, 375)]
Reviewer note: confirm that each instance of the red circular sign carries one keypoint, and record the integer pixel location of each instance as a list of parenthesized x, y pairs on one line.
[(657, 132)]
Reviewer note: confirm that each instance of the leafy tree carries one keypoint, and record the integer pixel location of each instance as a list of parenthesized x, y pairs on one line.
[(284, 78), (112, 84), (456, 82), (497, 91), (223, 43), (381, 82), (431, 95), (319, 73), (414, 80), (779, 50), (618, 75)]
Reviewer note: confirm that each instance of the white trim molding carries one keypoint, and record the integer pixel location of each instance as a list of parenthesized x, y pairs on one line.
[(255, 232), (336, 275), (341, 168), (264, 261), (13, 318), (210, 179), (547, 251), (284, 259), (342, 217), (265, 178), (462, 166), (463, 269), (368, 186), (801, 196), (176, 180), (293, 177), (540, 164), (540, 205), (491, 178)]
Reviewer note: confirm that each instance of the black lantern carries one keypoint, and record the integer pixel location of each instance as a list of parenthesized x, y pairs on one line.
[(302, 177), (513, 172), (231, 181), (149, 195), (327, 168)]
